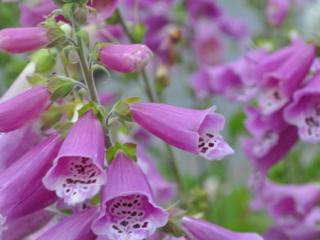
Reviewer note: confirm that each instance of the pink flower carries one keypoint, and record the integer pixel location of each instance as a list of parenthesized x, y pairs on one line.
[(277, 11)]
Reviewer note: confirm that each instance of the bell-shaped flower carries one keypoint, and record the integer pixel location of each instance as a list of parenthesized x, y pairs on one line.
[(21, 188), (201, 230), (286, 204), (16, 143), (195, 131), (77, 172), (163, 190), (277, 11), (282, 73), (22, 227), (128, 208), (272, 138), (33, 15), (21, 40), (17, 111), (304, 111), (74, 227), (125, 57)]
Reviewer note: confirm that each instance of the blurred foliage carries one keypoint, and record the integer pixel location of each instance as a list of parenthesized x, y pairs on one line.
[(11, 66)]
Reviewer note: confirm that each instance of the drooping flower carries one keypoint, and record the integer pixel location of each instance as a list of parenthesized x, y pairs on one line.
[(201, 230), (32, 16), (277, 11), (22, 227), (286, 204), (282, 73), (272, 138), (163, 190), (105, 8), (128, 208), (23, 108), (77, 172), (21, 188), (21, 40), (304, 111), (74, 227), (195, 131), (125, 57), (16, 143)]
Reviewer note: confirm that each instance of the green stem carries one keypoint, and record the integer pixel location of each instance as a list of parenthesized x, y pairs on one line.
[(171, 158)]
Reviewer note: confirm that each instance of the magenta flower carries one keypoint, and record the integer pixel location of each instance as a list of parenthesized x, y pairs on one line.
[(208, 9), (163, 190), (201, 230), (22, 227), (21, 189), (304, 111), (277, 11), (74, 227), (23, 108), (128, 208), (77, 172), (200, 83), (286, 204), (272, 138), (32, 16), (15, 144), (232, 27), (125, 57), (282, 73), (21, 40), (105, 8), (195, 131)]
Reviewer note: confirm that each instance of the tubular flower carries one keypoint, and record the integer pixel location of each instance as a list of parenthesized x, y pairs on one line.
[(201, 230), (282, 73), (304, 111), (125, 57), (21, 40), (77, 172), (277, 11), (15, 144), (19, 110), (21, 189), (195, 131), (74, 227), (128, 208), (272, 138)]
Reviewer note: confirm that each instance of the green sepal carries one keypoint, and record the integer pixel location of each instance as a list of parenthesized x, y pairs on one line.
[(96, 50), (122, 109), (173, 229), (128, 149), (55, 34), (138, 32), (45, 60), (97, 110), (37, 79), (63, 127), (60, 87)]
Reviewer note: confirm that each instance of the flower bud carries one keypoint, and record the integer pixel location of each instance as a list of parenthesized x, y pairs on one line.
[(125, 57), (21, 40)]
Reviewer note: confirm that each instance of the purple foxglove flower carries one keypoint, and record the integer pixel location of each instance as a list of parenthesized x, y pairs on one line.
[(272, 138), (77, 172), (286, 204), (277, 11), (128, 208), (201, 230), (16, 143), (21, 40), (307, 229), (105, 8), (208, 45), (21, 189), (282, 73), (232, 27), (23, 108), (32, 16), (200, 84), (208, 9), (20, 228), (195, 131), (110, 33), (74, 227), (163, 190), (125, 57), (304, 111)]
